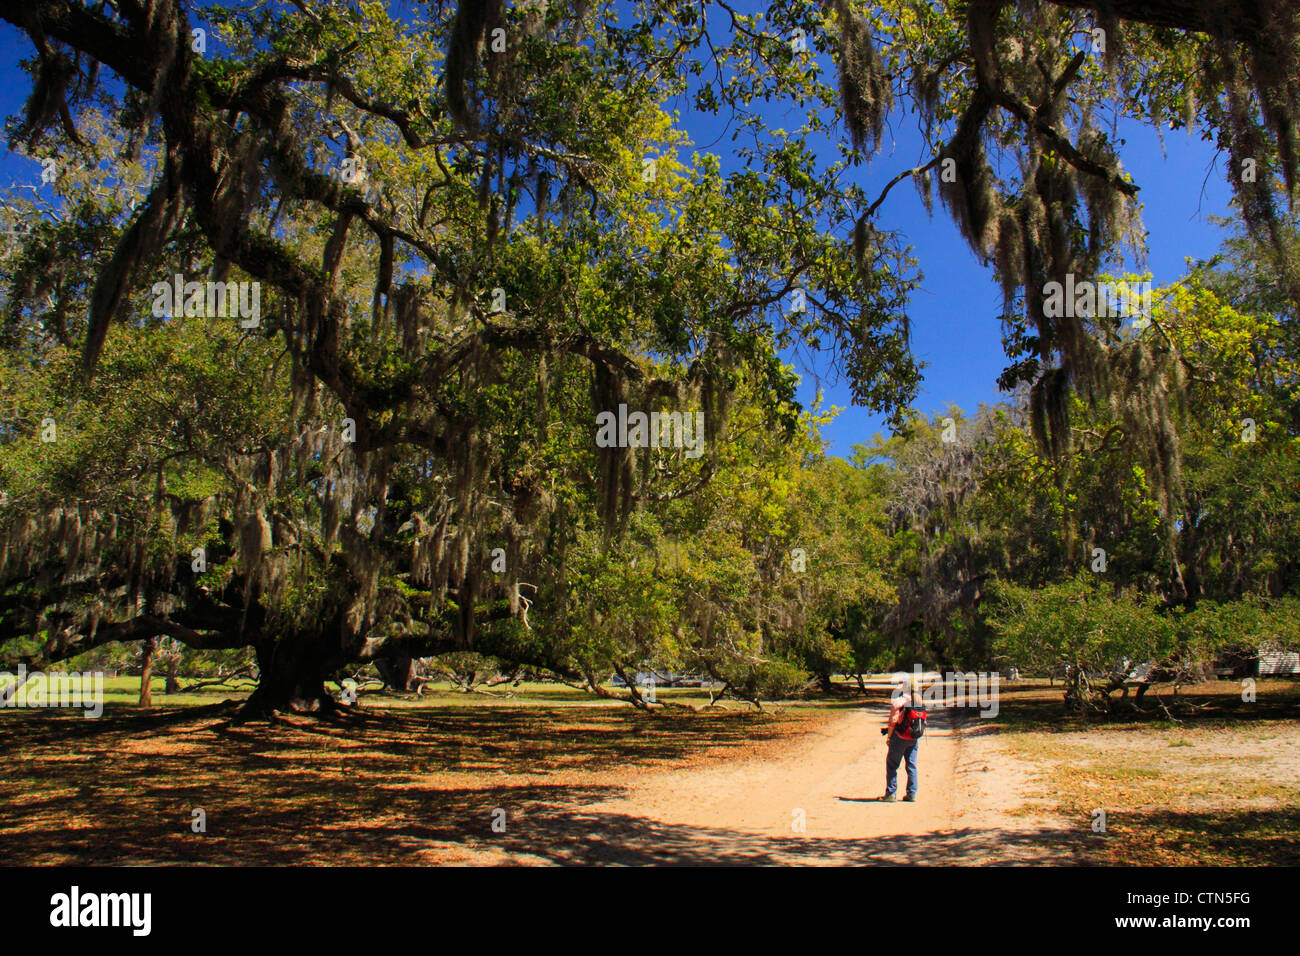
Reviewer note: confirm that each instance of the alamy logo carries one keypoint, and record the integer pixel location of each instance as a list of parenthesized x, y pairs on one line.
[(953, 689), (653, 430), (1085, 299), (75, 909), (55, 689), (241, 300)]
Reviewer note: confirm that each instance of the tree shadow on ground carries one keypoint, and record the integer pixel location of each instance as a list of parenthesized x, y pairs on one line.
[(386, 788), (427, 787), (1247, 837), (627, 840)]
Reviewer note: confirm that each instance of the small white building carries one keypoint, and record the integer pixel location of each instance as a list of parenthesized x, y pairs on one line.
[(1274, 660)]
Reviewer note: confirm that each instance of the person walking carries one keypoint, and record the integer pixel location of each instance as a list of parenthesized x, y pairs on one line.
[(903, 732)]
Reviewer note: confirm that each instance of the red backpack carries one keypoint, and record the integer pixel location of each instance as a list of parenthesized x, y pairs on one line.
[(911, 723)]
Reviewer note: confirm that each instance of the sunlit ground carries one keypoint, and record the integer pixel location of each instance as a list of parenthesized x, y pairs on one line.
[(422, 779)]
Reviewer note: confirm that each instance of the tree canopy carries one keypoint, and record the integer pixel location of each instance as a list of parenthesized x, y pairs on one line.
[(450, 238)]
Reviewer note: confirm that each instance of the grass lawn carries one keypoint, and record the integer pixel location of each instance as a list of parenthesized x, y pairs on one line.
[(125, 692)]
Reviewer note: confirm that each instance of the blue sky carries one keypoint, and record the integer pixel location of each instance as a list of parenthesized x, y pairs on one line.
[(955, 327), (954, 315)]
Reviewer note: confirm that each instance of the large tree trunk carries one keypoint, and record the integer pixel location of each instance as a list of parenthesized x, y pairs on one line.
[(397, 672), (291, 675), (173, 685), (146, 672)]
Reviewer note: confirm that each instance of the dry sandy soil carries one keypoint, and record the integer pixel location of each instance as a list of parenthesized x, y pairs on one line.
[(420, 782), (817, 802), (575, 786)]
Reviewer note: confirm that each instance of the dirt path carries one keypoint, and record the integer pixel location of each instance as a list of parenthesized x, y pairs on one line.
[(833, 780), (574, 785), (819, 803)]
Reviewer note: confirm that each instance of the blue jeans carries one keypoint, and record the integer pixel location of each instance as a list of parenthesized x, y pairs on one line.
[(900, 749)]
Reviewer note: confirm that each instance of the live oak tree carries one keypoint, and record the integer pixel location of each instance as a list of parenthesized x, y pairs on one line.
[(1017, 105), (478, 227), (1018, 102), (506, 248), (1097, 637), (1065, 559), (986, 520)]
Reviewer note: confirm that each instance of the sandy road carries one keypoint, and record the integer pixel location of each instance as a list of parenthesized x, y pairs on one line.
[(833, 780), (819, 803)]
